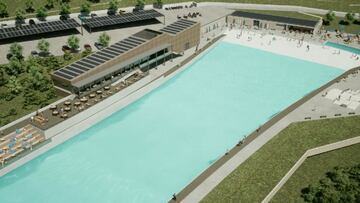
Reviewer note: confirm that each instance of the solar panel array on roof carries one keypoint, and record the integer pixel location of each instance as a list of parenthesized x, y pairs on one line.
[(281, 19), (85, 64), (40, 28), (178, 26), (103, 21)]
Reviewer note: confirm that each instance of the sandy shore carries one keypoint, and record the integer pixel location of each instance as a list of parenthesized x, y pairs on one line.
[(290, 47)]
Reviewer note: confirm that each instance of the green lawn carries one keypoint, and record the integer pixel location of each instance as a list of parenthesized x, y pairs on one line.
[(255, 178), (339, 5), (314, 169), (334, 25)]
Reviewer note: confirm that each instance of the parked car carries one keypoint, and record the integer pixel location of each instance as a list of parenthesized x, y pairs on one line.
[(66, 48), (34, 53), (87, 47), (98, 45)]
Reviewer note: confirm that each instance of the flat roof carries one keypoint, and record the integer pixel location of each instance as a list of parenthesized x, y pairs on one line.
[(280, 19), (147, 34)]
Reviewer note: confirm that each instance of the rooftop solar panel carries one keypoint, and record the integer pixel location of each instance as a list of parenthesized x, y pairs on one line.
[(96, 59), (178, 26), (41, 28), (103, 21)]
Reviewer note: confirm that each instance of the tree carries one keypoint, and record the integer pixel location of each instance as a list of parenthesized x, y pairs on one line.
[(43, 46), (94, 1), (19, 15), (73, 42), (350, 17), (64, 9), (330, 16), (2, 76), (3, 10), (140, 4), (50, 4), (15, 67), (14, 85), (36, 79), (113, 5), (41, 12), (16, 50), (29, 6), (104, 39), (65, 1), (85, 8), (340, 185)]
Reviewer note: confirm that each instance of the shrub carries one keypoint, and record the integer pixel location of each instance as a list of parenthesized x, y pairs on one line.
[(73, 42), (16, 50), (330, 16), (3, 10), (19, 15), (29, 6), (43, 46), (104, 39), (41, 12), (85, 8), (64, 9)]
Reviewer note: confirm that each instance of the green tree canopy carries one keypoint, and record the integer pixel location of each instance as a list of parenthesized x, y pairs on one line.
[(14, 85), (85, 8), (43, 46), (29, 6), (64, 9), (3, 10), (50, 4), (113, 5), (15, 67), (73, 42), (16, 50), (140, 3), (19, 15), (330, 16), (350, 17), (2, 76), (41, 12), (104, 39), (342, 184)]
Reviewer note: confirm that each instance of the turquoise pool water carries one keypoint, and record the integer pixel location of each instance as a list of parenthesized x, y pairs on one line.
[(156, 146), (343, 47)]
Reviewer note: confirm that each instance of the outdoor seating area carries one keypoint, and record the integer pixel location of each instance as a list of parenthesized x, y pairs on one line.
[(345, 98), (57, 113), (13, 144)]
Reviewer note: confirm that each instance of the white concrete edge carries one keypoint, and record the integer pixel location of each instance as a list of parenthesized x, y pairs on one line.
[(307, 154)]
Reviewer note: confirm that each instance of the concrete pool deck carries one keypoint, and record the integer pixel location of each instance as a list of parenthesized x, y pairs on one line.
[(288, 46)]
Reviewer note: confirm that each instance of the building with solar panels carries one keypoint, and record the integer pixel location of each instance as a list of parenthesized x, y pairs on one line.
[(273, 22), (143, 50)]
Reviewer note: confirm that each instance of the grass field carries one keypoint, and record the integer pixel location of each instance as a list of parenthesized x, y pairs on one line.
[(338, 5), (255, 178), (314, 169)]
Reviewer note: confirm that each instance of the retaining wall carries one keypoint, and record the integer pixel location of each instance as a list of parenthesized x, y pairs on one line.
[(307, 154)]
